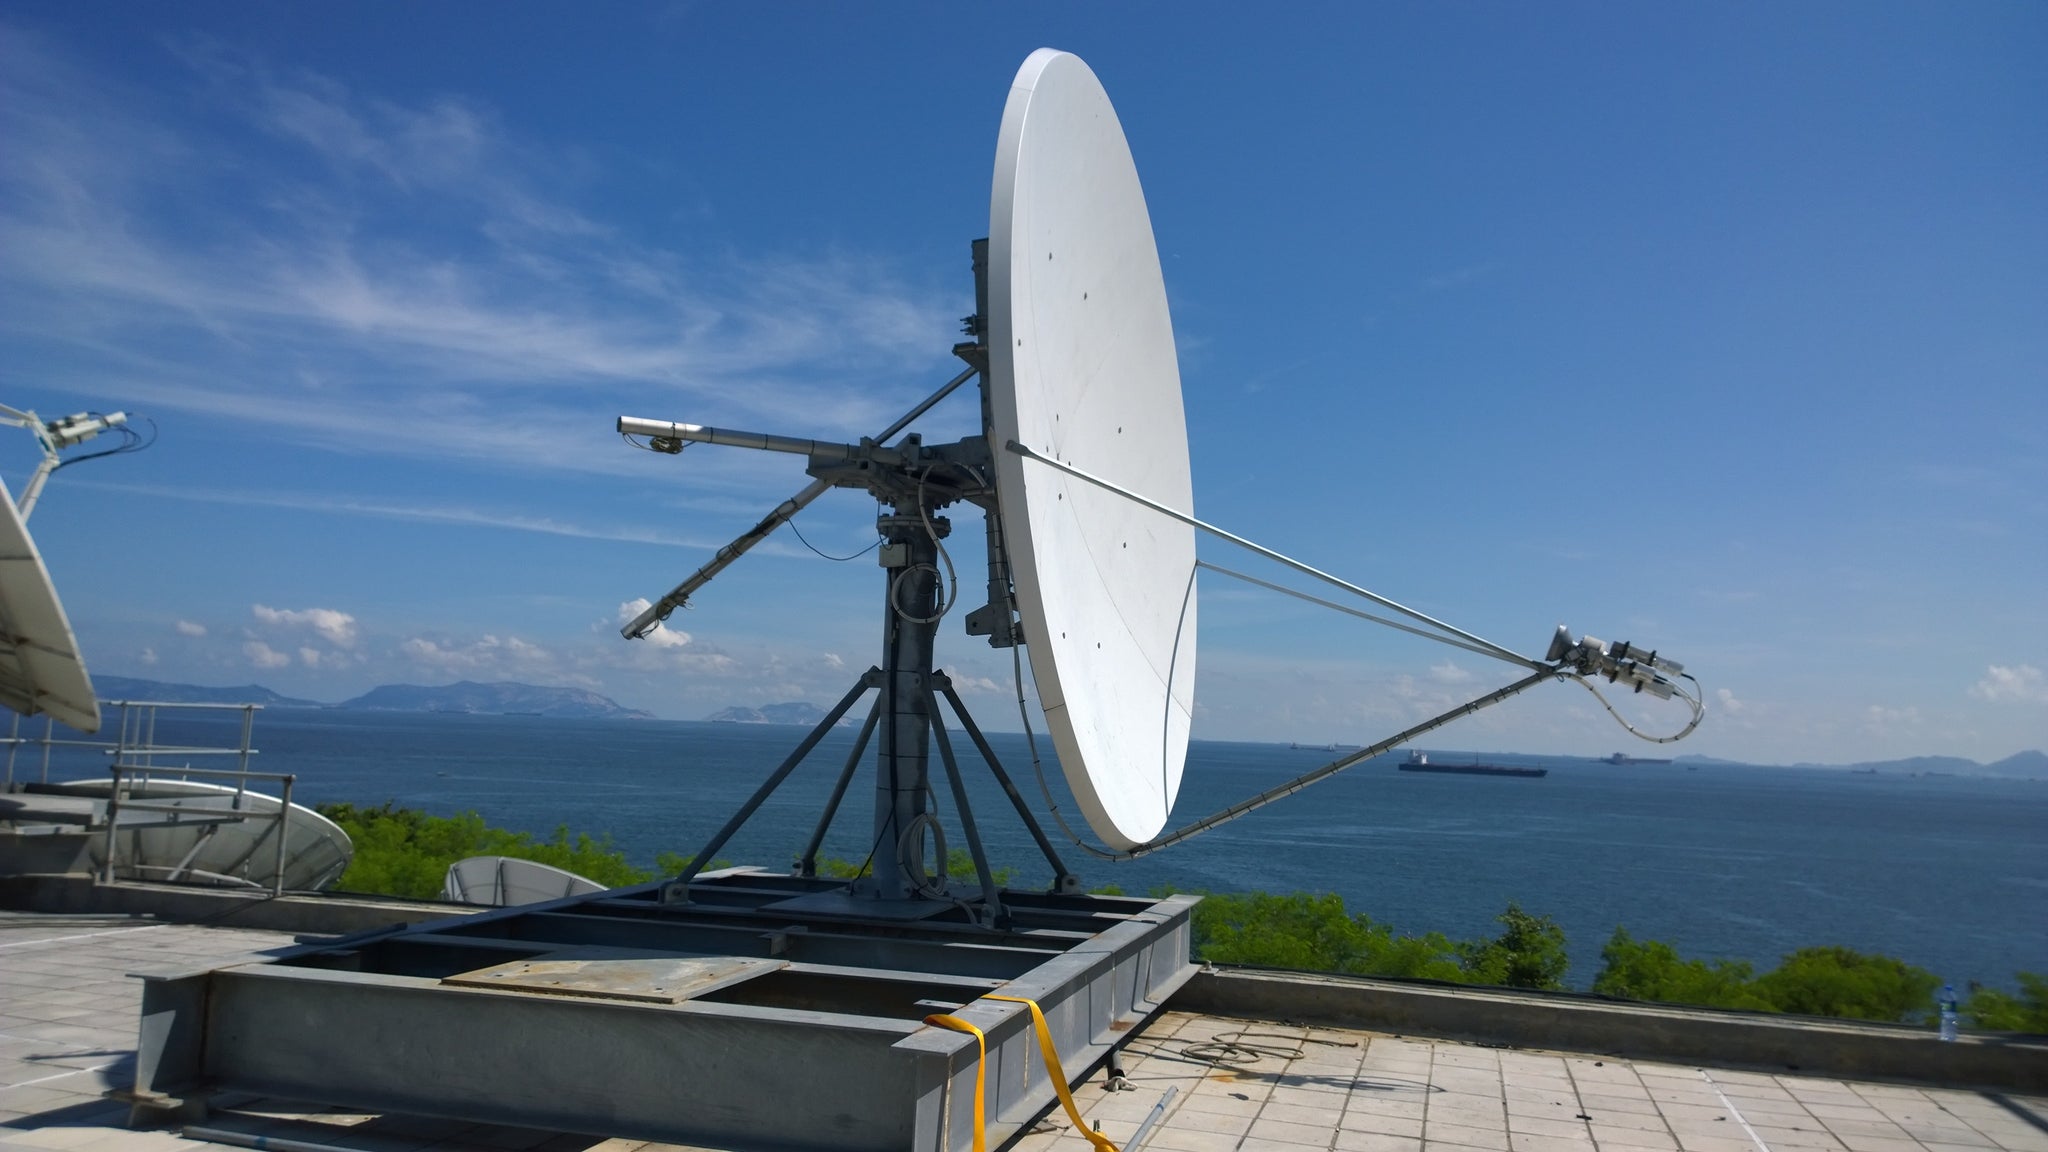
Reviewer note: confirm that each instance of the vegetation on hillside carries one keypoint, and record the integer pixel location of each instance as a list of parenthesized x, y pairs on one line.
[(403, 852)]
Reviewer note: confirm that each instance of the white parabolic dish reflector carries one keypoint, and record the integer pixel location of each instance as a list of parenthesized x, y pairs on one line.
[(40, 668), (1082, 369)]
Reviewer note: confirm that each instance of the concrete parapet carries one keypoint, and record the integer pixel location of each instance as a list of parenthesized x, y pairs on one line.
[(1580, 1023), (314, 914)]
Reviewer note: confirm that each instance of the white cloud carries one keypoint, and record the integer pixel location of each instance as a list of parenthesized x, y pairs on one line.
[(188, 628), (1448, 673), (264, 656), (663, 636), (324, 312), (1729, 703), (336, 627), (149, 655), (2022, 682), (832, 659), (491, 656), (1880, 718), (310, 657)]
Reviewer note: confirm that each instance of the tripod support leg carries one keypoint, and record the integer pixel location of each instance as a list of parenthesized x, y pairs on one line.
[(1063, 880), (677, 891), (808, 865), (991, 901)]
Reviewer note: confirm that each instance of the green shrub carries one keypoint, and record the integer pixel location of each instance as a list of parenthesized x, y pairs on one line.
[(1529, 953), (1997, 1011), (1837, 981), (405, 852), (1313, 932), (1653, 970)]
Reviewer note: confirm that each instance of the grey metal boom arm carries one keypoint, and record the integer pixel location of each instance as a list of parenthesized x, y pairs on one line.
[(1331, 769), (680, 595), (784, 512), (669, 432)]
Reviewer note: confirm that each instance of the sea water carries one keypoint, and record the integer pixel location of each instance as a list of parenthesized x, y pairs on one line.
[(1949, 873)]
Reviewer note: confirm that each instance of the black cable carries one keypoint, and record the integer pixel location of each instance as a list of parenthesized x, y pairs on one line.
[(132, 441), (628, 438), (840, 559)]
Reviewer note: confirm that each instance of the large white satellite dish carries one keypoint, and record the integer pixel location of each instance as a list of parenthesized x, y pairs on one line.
[(1082, 369), (1082, 463), (40, 667)]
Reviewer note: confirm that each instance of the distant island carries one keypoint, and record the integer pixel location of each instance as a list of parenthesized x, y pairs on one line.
[(2028, 765), (498, 698), (793, 712), (158, 691)]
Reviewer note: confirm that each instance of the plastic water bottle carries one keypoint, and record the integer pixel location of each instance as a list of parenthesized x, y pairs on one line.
[(1948, 1011)]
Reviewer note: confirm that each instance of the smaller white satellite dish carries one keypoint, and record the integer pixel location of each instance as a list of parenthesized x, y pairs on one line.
[(1082, 370), (202, 841), (40, 666), (503, 881)]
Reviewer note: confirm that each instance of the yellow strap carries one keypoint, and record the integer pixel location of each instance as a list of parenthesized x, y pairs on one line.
[(980, 1070), (1052, 1065), (1059, 1075)]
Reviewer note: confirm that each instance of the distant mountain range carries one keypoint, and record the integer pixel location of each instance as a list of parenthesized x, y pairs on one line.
[(2029, 765), (158, 691), (794, 712), (501, 697)]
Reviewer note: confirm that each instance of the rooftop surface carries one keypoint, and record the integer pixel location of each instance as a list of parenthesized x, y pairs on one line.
[(69, 1008)]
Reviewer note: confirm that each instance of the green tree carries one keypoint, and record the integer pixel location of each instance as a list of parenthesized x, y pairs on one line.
[(1313, 932), (1529, 953), (1998, 1011), (405, 852), (1652, 970), (1837, 981)]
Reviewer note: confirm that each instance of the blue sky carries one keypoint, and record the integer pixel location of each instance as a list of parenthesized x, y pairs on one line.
[(1714, 327)]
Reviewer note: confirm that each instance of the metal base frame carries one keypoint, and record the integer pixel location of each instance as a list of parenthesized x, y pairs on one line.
[(730, 1021)]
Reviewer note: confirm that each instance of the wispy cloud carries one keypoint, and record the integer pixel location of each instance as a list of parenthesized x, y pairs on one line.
[(400, 278), (421, 513)]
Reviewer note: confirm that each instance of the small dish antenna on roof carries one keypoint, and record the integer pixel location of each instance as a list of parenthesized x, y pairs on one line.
[(1082, 470)]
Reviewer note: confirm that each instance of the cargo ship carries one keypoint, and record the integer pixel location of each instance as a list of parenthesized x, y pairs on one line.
[(1420, 762), (1625, 758)]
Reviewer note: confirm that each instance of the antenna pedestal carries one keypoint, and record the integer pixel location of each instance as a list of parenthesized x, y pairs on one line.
[(903, 814)]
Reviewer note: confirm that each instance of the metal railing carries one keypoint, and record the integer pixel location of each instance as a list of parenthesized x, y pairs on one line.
[(136, 736), (182, 816), (138, 759)]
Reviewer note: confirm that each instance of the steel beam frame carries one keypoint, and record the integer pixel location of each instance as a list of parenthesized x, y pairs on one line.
[(824, 1047)]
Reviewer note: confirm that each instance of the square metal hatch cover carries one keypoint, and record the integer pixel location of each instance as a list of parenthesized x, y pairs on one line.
[(618, 974)]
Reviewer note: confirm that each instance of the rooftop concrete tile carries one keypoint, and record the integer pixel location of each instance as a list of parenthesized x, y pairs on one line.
[(1694, 1142), (1540, 1126), (1607, 1136), (1185, 1140), (1385, 1125), (1350, 1141), (1861, 1143), (1532, 1142), (1326, 1117), (1434, 1132)]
